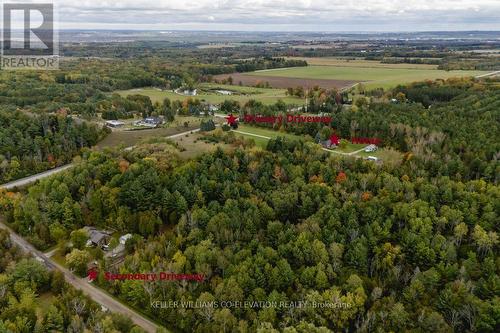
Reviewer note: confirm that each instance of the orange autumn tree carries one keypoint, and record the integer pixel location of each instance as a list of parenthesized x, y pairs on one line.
[(123, 165), (366, 196), (341, 177)]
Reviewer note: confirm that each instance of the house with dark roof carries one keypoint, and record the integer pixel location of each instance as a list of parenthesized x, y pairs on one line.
[(330, 143), (97, 237), (151, 122)]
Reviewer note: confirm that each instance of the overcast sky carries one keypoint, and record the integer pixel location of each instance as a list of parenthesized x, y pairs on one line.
[(280, 15)]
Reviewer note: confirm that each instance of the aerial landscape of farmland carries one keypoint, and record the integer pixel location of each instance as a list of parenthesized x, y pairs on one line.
[(343, 74), (250, 166)]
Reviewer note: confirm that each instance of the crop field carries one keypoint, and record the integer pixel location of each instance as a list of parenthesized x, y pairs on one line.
[(283, 82), (372, 77), (207, 93), (342, 62)]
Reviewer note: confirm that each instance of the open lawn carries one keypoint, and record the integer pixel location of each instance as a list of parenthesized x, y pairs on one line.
[(261, 135), (372, 77), (207, 93), (350, 147), (385, 154), (266, 132)]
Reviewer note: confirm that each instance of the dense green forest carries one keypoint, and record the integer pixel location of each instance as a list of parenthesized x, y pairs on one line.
[(34, 143), (24, 282), (402, 251), (78, 87)]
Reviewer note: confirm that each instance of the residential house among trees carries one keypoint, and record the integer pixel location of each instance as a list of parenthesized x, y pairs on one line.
[(97, 237), (332, 142), (152, 122)]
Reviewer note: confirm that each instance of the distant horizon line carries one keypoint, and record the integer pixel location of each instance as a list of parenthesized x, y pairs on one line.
[(285, 31)]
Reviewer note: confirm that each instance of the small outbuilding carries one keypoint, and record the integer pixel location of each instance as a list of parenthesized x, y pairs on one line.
[(371, 148), (124, 238)]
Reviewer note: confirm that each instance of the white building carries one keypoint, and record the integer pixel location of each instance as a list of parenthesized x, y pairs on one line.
[(371, 148), (188, 92), (114, 123), (224, 92), (124, 238)]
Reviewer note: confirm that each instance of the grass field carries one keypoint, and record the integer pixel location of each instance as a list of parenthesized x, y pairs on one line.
[(385, 154), (208, 94), (372, 77), (266, 132), (262, 142), (194, 146), (350, 147), (259, 142)]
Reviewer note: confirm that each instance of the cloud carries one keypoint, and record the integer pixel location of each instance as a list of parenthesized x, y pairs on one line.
[(326, 15)]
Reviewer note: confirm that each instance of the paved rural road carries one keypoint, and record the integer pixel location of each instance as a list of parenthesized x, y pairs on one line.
[(94, 293), (34, 178), (31, 179)]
